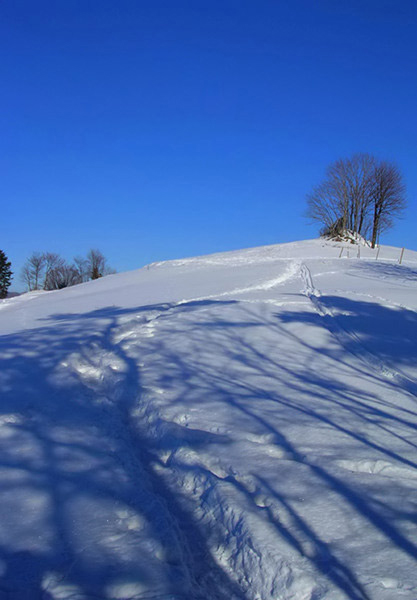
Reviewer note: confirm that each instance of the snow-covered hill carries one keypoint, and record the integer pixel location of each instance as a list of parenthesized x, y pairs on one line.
[(235, 426)]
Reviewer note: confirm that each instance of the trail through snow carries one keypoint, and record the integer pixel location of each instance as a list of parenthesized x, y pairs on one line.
[(343, 335), (239, 426)]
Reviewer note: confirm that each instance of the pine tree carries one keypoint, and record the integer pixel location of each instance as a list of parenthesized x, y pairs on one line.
[(5, 274)]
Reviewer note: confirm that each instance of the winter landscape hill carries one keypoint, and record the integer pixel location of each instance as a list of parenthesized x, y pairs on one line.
[(233, 426)]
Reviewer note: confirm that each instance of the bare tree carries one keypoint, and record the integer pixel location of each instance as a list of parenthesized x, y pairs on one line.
[(33, 271), (342, 201), (388, 197), (360, 175), (53, 262), (52, 272), (97, 264), (26, 277), (324, 206), (81, 265), (346, 199), (63, 275)]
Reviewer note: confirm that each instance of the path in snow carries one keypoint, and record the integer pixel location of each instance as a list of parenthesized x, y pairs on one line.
[(208, 432), (343, 335)]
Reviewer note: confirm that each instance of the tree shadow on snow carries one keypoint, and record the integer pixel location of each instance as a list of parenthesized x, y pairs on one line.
[(71, 457), (383, 335), (382, 270), (73, 445), (346, 408)]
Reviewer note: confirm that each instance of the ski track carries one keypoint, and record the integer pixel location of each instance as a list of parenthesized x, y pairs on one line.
[(238, 553), (136, 458), (290, 272), (344, 336), (145, 423), (211, 491)]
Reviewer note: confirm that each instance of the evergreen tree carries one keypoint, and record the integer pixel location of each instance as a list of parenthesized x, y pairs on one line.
[(5, 274)]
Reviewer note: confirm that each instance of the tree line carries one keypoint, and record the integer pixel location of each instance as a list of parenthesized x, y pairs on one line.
[(49, 271), (361, 194)]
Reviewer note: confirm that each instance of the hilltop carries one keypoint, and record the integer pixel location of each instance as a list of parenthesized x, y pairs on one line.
[(232, 426)]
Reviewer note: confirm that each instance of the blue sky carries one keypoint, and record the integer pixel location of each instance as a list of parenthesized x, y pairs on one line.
[(164, 128)]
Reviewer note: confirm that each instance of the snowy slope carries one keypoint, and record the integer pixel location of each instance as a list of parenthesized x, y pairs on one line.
[(240, 425)]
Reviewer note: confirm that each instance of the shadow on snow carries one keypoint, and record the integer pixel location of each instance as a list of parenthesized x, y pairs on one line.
[(107, 458)]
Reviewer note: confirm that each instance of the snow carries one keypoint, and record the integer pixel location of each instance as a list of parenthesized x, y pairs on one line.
[(240, 425)]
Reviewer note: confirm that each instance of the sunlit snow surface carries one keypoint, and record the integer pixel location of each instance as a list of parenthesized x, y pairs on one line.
[(236, 426)]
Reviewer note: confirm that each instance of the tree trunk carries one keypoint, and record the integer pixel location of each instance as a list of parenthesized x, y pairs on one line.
[(375, 227), (361, 218)]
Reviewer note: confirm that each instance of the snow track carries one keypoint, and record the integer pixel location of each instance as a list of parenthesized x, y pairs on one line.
[(213, 493), (345, 337), (139, 431), (290, 272), (212, 429)]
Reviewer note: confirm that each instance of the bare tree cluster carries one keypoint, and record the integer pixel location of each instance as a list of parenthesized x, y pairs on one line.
[(49, 271), (360, 194)]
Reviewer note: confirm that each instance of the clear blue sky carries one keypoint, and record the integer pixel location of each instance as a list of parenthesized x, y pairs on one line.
[(154, 129)]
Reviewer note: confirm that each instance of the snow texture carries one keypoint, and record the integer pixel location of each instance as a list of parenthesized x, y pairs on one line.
[(235, 426)]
